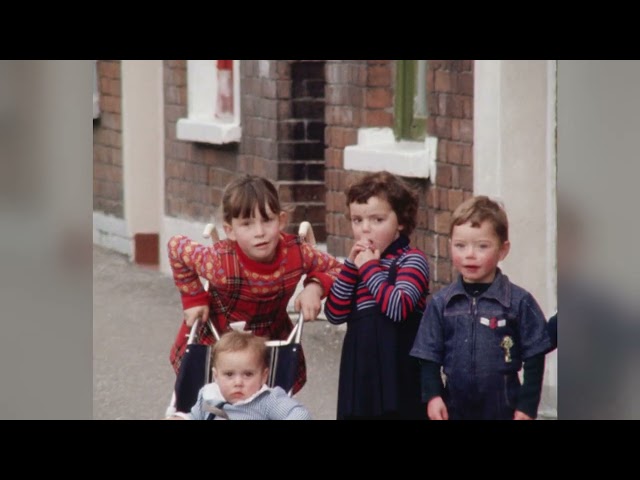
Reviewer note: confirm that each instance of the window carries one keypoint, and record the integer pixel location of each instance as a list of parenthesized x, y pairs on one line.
[(405, 150), (213, 102), (411, 100)]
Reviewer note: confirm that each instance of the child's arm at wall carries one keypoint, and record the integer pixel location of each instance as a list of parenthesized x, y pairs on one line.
[(398, 301)]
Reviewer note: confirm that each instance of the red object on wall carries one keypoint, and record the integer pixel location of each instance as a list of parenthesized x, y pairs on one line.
[(224, 101)]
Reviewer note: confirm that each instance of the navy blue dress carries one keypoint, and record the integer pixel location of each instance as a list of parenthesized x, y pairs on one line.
[(378, 378)]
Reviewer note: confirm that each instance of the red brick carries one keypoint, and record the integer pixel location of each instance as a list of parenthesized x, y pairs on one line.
[(466, 131), (379, 76), (442, 221), (443, 271), (442, 104), (442, 151), (269, 89), (377, 118), (455, 199), (467, 107), (443, 246), (111, 121), (455, 177), (467, 155), (443, 127), (378, 98), (109, 68), (114, 87), (443, 176), (455, 129), (283, 88), (456, 106), (465, 84), (443, 198), (442, 81), (454, 153), (466, 178), (173, 113), (283, 70), (428, 245)]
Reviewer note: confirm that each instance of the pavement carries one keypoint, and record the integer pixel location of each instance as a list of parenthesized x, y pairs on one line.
[(136, 315)]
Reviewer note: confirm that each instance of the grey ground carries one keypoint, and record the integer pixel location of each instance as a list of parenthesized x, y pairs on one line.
[(136, 314)]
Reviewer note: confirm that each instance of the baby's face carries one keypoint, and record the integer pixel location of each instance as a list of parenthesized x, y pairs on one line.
[(239, 374)]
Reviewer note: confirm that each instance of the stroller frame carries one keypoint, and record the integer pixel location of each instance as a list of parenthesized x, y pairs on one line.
[(284, 353)]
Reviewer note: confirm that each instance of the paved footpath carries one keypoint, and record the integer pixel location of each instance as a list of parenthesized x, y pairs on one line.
[(136, 314)]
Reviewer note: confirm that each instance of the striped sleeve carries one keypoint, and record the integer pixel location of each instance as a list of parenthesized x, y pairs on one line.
[(338, 305), (412, 284)]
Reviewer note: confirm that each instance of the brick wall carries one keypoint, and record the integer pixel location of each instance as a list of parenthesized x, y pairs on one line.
[(282, 118), (450, 101), (283, 133), (360, 93), (107, 142), (195, 173)]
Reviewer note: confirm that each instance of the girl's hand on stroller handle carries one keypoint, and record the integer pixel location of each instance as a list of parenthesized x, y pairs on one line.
[(194, 313), (309, 301)]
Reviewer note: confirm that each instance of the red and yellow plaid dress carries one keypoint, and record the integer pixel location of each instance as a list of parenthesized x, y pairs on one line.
[(244, 290)]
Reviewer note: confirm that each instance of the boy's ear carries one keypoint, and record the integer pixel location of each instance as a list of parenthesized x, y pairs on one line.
[(229, 231), (265, 375), (214, 371), (504, 250)]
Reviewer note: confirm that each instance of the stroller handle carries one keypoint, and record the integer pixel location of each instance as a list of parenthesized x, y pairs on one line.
[(294, 337), (194, 331)]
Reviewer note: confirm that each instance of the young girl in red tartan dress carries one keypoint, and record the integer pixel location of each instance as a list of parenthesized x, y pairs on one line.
[(252, 274)]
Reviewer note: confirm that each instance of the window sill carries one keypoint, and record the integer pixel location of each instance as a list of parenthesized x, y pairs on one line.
[(378, 150), (208, 131)]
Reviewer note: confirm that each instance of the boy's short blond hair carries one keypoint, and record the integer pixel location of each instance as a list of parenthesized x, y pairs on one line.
[(235, 341), (479, 209)]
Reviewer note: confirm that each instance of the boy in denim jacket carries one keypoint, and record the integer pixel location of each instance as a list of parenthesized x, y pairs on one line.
[(481, 328)]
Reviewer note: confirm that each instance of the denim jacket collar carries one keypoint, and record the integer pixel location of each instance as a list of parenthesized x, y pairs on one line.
[(499, 290)]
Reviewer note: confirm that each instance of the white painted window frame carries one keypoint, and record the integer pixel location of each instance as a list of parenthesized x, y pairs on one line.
[(201, 125), (377, 149)]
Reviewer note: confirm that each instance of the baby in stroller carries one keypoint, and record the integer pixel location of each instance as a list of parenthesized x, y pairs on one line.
[(240, 392)]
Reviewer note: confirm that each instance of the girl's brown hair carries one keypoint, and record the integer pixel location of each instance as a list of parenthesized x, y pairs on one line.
[(244, 194), (385, 185)]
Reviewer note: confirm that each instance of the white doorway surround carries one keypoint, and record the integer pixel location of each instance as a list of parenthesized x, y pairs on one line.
[(143, 154)]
